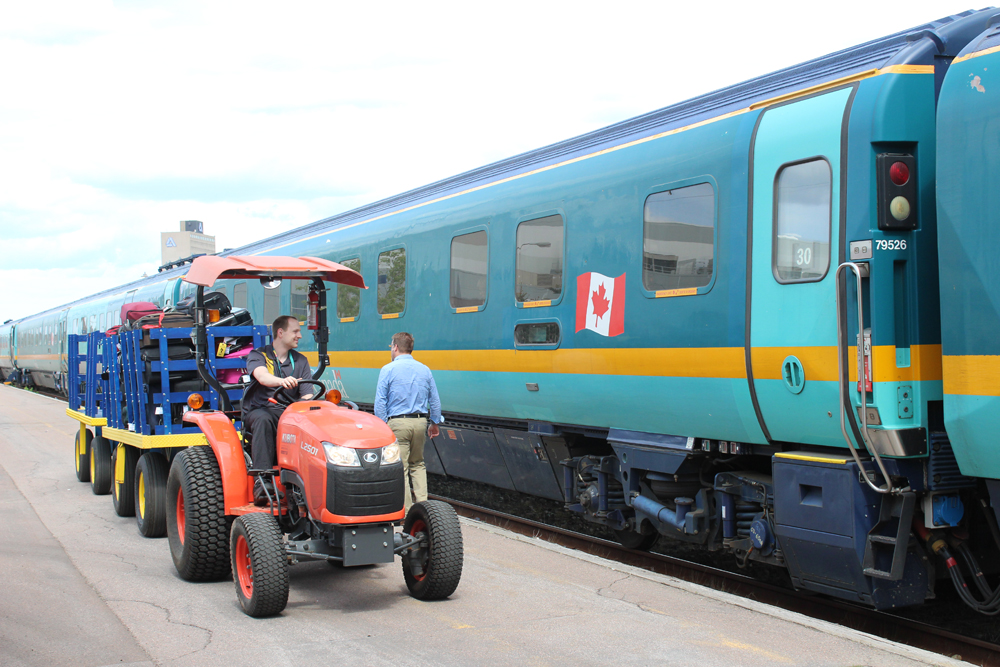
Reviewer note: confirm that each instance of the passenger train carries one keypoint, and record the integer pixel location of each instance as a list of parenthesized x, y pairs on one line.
[(765, 320)]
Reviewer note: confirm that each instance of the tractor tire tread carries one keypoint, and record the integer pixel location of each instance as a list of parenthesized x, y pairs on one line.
[(447, 557), (206, 543), (270, 565)]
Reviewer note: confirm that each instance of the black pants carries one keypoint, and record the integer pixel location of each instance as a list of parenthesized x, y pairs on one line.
[(263, 423)]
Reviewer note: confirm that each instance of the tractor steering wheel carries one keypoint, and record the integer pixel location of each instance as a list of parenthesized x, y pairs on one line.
[(281, 396)]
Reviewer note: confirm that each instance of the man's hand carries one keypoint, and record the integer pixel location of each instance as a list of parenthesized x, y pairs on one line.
[(433, 431), (288, 382)]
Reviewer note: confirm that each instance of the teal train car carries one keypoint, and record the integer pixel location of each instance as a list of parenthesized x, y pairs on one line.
[(721, 322)]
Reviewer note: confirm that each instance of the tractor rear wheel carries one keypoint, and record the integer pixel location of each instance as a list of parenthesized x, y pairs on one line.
[(100, 466), (81, 454), (123, 485), (433, 569), (151, 494), (196, 520), (260, 564)]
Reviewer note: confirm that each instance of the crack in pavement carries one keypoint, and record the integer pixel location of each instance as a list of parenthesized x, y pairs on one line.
[(170, 620)]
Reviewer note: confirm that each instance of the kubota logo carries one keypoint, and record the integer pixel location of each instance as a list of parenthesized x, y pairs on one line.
[(370, 457), (288, 437), (309, 448)]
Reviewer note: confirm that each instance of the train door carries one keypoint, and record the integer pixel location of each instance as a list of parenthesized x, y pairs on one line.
[(797, 153)]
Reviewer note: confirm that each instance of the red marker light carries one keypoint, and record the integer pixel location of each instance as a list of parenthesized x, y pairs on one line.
[(899, 173)]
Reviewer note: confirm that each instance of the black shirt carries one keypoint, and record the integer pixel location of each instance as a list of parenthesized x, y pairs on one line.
[(295, 365)]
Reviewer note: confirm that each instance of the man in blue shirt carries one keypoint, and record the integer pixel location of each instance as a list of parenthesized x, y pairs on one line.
[(405, 395)]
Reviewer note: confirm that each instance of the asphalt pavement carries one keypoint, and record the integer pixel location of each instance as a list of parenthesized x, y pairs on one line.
[(79, 586)]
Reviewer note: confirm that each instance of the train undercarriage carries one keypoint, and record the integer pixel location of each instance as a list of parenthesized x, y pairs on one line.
[(808, 511)]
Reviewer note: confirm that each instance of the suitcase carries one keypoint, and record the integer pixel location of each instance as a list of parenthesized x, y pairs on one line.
[(239, 317), (137, 309), (213, 301)]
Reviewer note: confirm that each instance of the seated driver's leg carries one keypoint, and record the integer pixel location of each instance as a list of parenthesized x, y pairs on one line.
[(263, 424)]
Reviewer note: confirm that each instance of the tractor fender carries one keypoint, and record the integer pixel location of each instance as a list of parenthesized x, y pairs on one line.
[(225, 442)]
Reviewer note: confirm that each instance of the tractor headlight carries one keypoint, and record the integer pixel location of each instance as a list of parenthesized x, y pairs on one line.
[(390, 453), (341, 456)]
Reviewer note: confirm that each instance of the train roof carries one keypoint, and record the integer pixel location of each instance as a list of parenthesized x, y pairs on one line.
[(904, 47), (897, 49)]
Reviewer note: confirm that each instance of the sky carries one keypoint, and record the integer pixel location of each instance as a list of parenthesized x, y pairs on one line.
[(120, 119)]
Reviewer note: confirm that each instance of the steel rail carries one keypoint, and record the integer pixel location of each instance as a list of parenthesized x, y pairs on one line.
[(857, 617)]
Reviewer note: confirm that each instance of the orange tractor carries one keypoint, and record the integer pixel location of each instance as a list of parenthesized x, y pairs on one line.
[(339, 478)]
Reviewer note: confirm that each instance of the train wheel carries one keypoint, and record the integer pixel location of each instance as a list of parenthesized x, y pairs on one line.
[(260, 564), (100, 466), (433, 569), (123, 485), (196, 519), (638, 541), (151, 494), (81, 454)]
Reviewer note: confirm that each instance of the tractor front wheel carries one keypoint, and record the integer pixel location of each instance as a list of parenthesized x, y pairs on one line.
[(81, 454), (151, 494), (260, 565), (433, 568), (196, 516), (100, 466)]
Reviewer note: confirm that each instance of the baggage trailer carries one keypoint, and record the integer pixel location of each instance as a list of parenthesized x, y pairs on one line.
[(131, 389), (338, 483)]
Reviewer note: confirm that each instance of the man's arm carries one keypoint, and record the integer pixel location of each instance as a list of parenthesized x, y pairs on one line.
[(435, 408), (261, 375), (382, 394), (303, 371)]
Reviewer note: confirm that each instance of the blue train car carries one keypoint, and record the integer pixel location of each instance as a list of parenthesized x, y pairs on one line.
[(720, 322)]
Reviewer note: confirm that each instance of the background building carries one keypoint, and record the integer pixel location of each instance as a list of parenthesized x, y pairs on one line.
[(190, 240)]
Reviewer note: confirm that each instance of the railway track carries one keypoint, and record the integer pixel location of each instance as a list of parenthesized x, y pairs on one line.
[(881, 624)]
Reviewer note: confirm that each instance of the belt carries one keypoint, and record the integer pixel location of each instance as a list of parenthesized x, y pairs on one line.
[(412, 415)]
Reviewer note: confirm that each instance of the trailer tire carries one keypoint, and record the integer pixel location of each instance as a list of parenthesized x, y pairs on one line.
[(124, 460), (100, 466), (151, 494), (433, 573), (197, 528), (260, 565), (81, 455)]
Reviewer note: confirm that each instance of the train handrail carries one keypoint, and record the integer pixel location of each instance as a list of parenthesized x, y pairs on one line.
[(842, 384)]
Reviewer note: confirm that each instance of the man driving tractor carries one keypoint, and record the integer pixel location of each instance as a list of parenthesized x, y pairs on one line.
[(270, 367)]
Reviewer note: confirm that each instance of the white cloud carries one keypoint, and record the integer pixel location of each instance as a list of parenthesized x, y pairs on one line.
[(118, 120)]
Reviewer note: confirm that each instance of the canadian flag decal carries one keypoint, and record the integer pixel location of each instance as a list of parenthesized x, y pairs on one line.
[(600, 303)]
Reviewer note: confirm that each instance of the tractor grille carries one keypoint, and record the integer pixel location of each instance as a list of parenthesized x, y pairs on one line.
[(364, 491)]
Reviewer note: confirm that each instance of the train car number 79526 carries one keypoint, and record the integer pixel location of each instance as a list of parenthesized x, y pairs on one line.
[(890, 244)]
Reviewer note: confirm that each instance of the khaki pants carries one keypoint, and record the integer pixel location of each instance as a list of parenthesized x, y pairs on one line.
[(411, 433)]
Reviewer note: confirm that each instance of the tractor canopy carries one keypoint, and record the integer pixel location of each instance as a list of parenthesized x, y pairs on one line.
[(207, 269)]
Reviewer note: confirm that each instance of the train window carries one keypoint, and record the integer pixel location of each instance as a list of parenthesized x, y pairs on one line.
[(678, 238), (392, 281), (349, 298), (240, 295), (536, 333), (802, 212), (300, 296), (539, 259), (469, 268), (272, 304)]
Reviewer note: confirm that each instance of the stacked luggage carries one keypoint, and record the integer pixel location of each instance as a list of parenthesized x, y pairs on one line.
[(166, 337)]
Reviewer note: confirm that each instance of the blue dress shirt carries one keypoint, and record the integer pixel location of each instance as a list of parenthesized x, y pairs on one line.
[(406, 386)]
